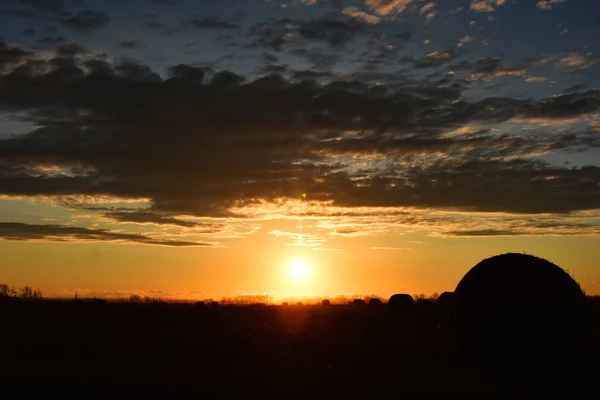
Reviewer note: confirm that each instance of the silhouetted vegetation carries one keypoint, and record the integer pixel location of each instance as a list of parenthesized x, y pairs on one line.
[(26, 293)]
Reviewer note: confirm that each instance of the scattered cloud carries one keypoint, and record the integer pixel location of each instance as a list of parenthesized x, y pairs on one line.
[(361, 15), (548, 4), (212, 23), (486, 6), (391, 248), (278, 34), (387, 7), (131, 44), (85, 21), (61, 233)]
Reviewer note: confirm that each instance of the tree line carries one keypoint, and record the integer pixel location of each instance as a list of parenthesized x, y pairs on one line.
[(24, 293)]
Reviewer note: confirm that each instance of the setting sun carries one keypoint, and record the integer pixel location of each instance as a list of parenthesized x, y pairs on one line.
[(299, 271)]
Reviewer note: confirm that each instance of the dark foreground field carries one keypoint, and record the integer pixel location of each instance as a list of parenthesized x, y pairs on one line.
[(172, 350)]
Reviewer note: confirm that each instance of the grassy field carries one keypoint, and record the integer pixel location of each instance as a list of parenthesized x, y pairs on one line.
[(165, 350)]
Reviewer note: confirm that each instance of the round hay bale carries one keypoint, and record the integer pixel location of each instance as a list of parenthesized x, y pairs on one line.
[(445, 301), (401, 301), (374, 302), (325, 302), (517, 309)]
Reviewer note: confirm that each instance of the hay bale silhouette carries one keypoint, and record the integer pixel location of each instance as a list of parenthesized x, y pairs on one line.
[(517, 309), (445, 301), (401, 302), (358, 302), (375, 302), (326, 302)]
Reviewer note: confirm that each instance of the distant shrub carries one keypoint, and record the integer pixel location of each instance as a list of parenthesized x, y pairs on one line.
[(134, 298)]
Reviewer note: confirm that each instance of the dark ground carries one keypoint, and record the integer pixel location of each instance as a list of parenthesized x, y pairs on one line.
[(122, 350)]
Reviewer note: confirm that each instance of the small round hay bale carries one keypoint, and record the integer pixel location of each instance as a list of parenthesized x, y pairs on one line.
[(445, 301), (375, 302), (401, 301), (325, 302)]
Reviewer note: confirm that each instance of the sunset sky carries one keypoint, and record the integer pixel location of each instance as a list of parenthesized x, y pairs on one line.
[(201, 149)]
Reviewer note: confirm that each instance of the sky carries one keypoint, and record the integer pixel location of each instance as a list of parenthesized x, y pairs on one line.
[(207, 149)]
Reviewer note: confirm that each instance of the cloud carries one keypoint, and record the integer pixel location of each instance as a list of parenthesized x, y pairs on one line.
[(12, 55), (434, 59), (52, 40), (131, 44), (188, 142), (299, 239), (280, 33), (391, 248), (387, 7), (361, 15), (62, 233), (212, 23), (85, 21), (151, 218), (548, 4), (486, 6)]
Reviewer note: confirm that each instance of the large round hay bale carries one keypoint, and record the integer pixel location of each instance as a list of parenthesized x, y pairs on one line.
[(518, 309)]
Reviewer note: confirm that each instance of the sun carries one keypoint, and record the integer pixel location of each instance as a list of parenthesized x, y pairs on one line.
[(299, 271)]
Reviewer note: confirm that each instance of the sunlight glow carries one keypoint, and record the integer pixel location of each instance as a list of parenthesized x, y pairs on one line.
[(299, 271)]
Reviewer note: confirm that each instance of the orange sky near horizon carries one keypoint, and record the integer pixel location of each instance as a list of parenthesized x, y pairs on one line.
[(259, 264)]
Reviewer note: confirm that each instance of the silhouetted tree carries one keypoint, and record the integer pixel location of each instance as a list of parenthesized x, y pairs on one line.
[(28, 293), (134, 298), (518, 309), (7, 291)]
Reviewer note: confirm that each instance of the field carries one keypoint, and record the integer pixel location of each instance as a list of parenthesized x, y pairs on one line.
[(164, 350)]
